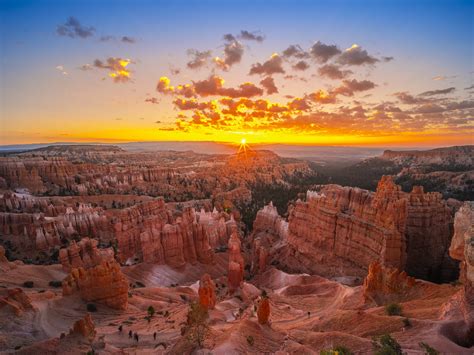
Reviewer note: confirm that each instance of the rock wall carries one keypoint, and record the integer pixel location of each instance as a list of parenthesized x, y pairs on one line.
[(462, 249), (341, 230)]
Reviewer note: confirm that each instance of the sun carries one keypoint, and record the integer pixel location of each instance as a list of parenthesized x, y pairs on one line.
[(243, 141)]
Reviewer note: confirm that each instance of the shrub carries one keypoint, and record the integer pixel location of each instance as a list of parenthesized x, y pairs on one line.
[(386, 345), (406, 322), (55, 283), (428, 349), (250, 340), (338, 350), (151, 311), (393, 309), (91, 307), (28, 284)]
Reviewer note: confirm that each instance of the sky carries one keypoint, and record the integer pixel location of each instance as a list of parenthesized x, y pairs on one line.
[(369, 73)]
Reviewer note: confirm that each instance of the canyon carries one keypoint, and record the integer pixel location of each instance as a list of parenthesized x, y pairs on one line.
[(97, 242)]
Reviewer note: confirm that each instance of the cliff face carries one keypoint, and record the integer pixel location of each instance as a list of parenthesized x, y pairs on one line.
[(462, 249), (451, 156), (341, 230)]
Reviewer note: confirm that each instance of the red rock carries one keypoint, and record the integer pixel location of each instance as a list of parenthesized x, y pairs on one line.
[(84, 327), (263, 310), (14, 300), (104, 283), (84, 254), (207, 292), (236, 263), (385, 284), (341, 230), (462, 249)]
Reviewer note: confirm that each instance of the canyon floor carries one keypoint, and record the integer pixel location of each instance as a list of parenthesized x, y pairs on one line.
[(308, 314)]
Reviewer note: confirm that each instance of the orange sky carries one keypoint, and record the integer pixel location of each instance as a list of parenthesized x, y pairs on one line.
[(83, 79)]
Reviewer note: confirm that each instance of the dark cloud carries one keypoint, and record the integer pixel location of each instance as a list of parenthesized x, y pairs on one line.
[(107, 38), (469, 88), (229, 37), (198, 58), (349, 87), (117, 68), (233, 53), (387, 59), (296, 51), (251, 36), (127, 39), (356, 56), (213, 86), (73, 28), (152, 100), (438, 92), (408, 99), (124, 39), (272, 66), (269, 84), (301, 65), (332, 71), (323, 52)]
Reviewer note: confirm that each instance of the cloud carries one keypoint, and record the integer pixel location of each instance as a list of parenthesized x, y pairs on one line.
[(332, 71), (387, 59), (199, 59), (192, 104), (269, 84), (152, 100), (355, 55), (62, 69), (272, 66), (349, 87), (127, 39), (72, 28), (251, 36), (86, 67), (107, 38), (408, 99), (438, 92), (124, 39), (323, 52), (233, 53), (295, 51), (301, 65), (117, 68), (469, 88), (213, 86), (322, 97)]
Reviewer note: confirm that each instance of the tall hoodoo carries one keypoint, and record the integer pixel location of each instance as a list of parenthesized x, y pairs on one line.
[(207, 292), (236, 263)]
